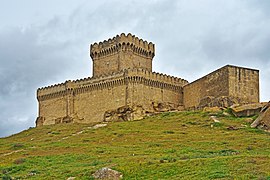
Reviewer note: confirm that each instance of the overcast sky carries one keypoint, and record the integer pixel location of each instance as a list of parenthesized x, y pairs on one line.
[(47, 42)]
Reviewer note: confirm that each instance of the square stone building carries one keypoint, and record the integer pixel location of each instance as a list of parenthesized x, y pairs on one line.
[(124, 87)]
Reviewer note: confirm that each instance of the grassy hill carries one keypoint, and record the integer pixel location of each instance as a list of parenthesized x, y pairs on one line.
[(177, 145)]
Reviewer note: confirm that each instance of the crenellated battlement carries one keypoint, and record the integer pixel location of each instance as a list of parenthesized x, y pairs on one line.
[(101, 78), (51, 89), (157, 77), (120, 53), (122, 42), (58, 89), (154, 79)]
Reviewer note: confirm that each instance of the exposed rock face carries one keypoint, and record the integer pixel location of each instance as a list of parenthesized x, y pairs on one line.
[(162, 107), (247, 109), (107, 173), (263, 120), (67, 119), (222, 101), (126, 113)]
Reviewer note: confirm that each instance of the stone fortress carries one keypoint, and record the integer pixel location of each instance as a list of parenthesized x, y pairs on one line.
[(123, 87)]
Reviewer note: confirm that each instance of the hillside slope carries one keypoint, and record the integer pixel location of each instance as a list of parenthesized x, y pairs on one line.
[(178, 145)]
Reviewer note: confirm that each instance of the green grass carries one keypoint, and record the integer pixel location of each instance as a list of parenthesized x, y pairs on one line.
[(178, 145)]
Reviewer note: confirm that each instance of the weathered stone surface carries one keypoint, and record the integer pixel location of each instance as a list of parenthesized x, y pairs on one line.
[(247, 109), (91, 98), (263, 120), (249, 120), (107, 173), (98, 126), (39, 121), (134, 53), (163, 107), (215, 119), (222, 101), (180, 108), (226, 114), (71, 178), (126, 113), (120, 114), (235, 83), (67, 119), (212, 109)]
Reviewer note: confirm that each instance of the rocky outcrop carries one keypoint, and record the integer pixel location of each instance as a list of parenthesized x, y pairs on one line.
[(247, 109), (107, 173), (67, 119), (263, 120), (123, 113), (163, 107), (126, 113), (222, 101)]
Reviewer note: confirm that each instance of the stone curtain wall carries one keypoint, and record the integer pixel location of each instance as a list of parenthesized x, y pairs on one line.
[(146, 88), (80, 100), (52, 103), (237, 83), (52, 109), (141, 94), (244, 84), (91, 105), (88, 99), (214, 84)]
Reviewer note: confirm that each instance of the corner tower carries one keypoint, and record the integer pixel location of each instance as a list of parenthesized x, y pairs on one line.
[(121, 52)]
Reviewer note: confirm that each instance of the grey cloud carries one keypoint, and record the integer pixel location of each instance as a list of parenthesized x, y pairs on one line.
[(26, 64)]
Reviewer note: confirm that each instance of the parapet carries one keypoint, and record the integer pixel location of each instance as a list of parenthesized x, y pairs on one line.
[(226, 67), (238, 67), (62, 89), (111, 45), (157, 77), (51, 89)]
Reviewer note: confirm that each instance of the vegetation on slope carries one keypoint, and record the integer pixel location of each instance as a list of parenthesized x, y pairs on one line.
[(176, 145)]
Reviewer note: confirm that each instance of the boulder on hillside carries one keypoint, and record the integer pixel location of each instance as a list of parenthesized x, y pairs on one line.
[(163, 107), (71, 178), (107, 173), (263, 119), (247, 109), (120, 114), (212, 109)]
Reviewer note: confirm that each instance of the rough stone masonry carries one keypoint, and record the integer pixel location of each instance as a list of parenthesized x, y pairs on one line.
[(123, 87)]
